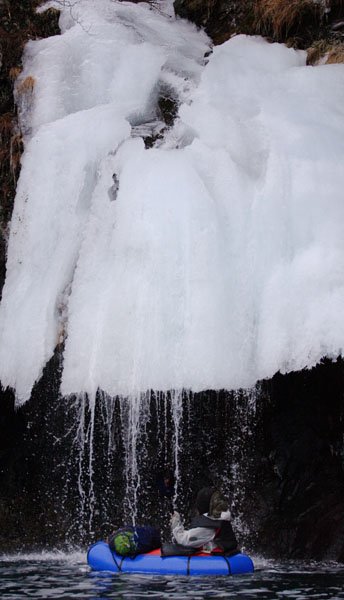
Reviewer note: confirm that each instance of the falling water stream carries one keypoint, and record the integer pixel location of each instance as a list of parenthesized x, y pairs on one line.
[(113, 452)]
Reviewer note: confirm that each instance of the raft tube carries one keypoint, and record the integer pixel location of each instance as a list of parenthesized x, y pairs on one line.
[(101, 558)]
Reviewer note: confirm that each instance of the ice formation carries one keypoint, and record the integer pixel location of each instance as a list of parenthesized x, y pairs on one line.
[(210, 261)]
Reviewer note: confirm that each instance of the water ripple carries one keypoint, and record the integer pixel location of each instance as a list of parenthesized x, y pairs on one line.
[(56, 575)]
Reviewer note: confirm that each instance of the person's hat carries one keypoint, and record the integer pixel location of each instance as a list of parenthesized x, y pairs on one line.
[(203, 499), (217, 505)]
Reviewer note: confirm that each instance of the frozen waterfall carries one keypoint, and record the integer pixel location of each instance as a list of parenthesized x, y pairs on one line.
[(210, 261)]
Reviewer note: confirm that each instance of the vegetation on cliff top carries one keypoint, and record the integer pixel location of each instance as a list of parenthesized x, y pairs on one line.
[(299, 23)]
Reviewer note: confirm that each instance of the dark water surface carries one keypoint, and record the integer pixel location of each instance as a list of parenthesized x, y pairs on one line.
[(59, 575)]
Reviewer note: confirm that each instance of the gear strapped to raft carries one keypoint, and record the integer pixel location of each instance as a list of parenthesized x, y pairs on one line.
[(129, 541)]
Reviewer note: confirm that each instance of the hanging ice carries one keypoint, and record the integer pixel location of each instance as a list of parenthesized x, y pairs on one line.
[(219, 259)]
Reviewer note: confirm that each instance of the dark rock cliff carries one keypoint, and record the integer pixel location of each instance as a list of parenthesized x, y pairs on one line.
[(303, 432), (278, 452)]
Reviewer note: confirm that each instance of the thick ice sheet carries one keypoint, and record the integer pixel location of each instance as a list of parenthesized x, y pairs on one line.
[(212, 260)]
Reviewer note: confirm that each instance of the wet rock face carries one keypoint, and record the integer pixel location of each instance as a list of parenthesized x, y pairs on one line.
[(278, 453), (303, 510), (18, 23)]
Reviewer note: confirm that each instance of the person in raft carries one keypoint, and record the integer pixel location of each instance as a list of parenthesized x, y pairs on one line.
[(211, 530)]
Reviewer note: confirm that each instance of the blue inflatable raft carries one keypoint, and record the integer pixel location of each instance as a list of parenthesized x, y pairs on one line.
[(101, 558)]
